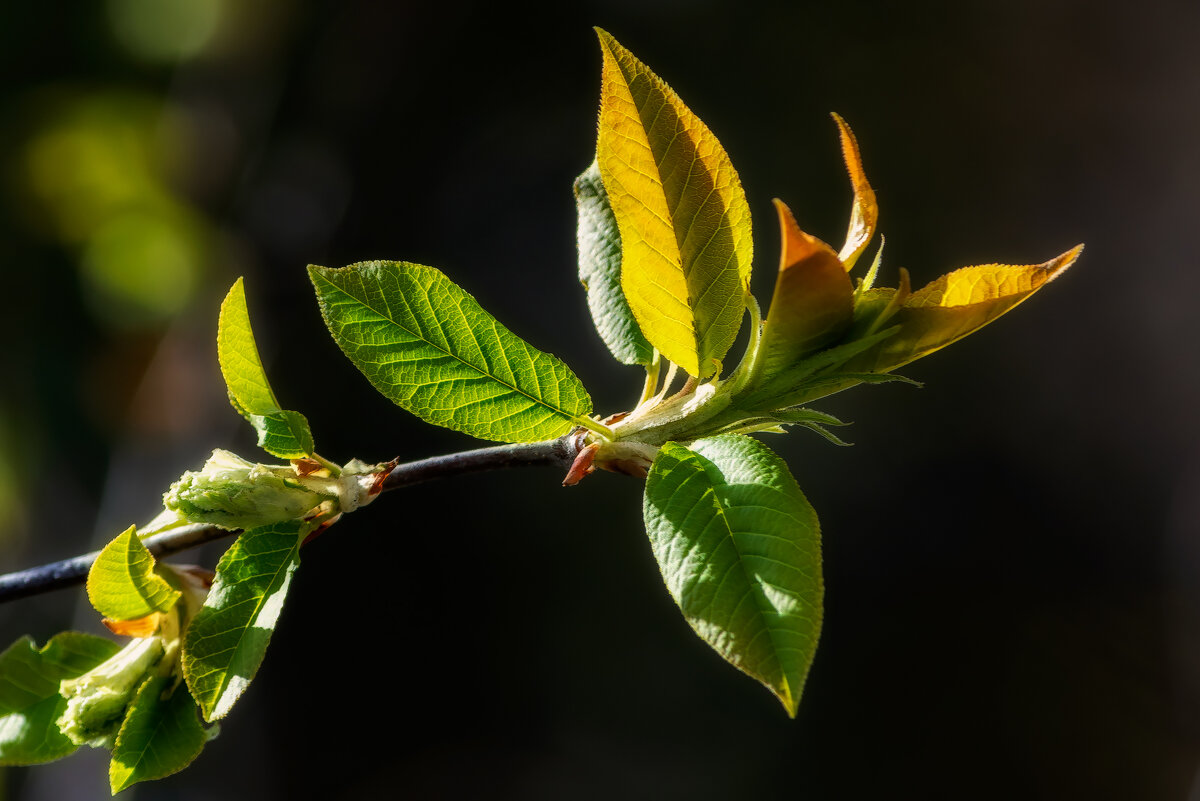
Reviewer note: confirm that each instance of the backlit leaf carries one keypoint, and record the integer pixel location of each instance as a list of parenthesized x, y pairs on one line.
[(159, 736), (30, 703), (739, 548), (280, 432), (955, 305), (864, 215), (600, 272), (682, 215), (813, 301), (429, 347), (226, 641), (122, 584)]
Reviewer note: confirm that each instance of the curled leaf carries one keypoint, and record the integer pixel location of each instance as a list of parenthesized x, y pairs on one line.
[(599, 244), (813, 300), (864, 215)]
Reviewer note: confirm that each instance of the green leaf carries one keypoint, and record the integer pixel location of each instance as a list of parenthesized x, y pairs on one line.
[(739, 548), (280, 432), (430, 348), (226, 641), (29, 701), (159, 736), (122, 584), (681, 211), (600, 272)]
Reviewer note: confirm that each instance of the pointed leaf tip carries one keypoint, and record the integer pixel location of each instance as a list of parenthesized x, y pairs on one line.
[(864, 214)]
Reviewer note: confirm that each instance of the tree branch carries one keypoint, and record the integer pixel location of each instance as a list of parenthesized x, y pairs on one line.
[(69, 572)]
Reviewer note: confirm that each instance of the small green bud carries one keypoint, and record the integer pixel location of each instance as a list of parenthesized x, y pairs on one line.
[(233, 493), (97, 700)]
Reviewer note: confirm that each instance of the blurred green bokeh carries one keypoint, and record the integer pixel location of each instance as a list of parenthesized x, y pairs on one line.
[(97, 173)]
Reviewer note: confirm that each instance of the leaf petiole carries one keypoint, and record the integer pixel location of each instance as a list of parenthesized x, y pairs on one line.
[(595, 427), (652, 375)]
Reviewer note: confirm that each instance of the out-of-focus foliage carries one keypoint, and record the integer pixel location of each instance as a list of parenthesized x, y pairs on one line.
[(96, 171)]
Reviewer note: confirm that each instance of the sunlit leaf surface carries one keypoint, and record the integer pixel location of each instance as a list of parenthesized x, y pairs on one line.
[(429, 347), (122, 584), (682, 215), (739, 549), (281, 432), (955, 305), (226, 641)]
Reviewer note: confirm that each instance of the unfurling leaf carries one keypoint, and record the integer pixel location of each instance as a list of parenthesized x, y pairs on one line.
[(160, 736), (30, 704), (98, 700), (281, 433), (813, 301), (600, 272), (682, 215), (226, 641), (739, 549), (122, 584), (430, 348), (955, 305), (864, 215)]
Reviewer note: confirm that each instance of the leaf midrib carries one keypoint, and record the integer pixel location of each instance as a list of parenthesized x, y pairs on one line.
[(742, 568), (754, 589)]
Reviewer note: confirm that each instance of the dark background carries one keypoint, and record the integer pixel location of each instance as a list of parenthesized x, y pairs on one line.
[(1012, 553)]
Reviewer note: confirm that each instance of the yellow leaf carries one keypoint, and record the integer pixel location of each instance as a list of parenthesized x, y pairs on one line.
[(813, 301), (681, 213), (955, 305), (864, 216)]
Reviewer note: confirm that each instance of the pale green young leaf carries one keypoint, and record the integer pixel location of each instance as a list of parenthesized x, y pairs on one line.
[(122, 584), (682, 214), (739, 548), (226, 641), (281, 432), (600, 272), (159, 736), (30, 704), (429, 347)]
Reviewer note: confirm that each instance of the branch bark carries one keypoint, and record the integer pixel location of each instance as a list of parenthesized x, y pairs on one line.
[(69, 572)]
